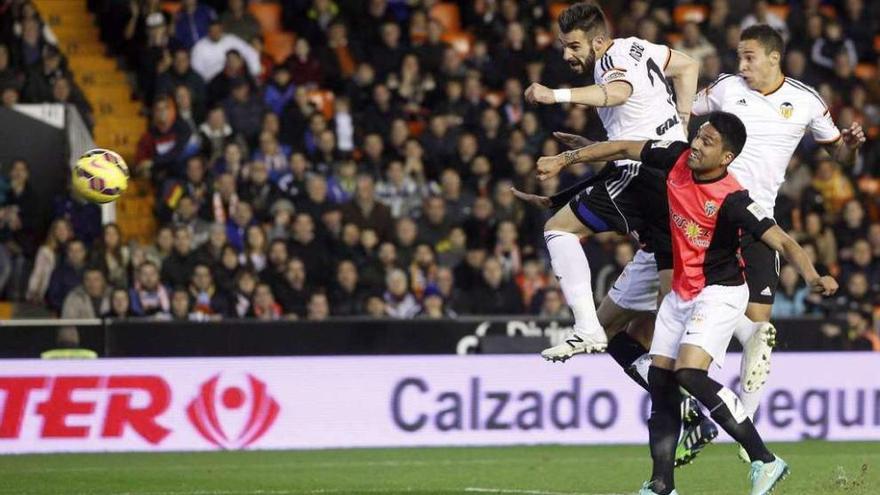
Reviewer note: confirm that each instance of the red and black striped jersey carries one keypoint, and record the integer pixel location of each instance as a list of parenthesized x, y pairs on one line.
[(705, 220)]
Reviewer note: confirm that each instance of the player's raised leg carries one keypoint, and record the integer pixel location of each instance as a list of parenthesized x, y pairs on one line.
[(563, 234)]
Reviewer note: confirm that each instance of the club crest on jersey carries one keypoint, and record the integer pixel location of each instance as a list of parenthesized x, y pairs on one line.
[(711, 208), (786, 109)]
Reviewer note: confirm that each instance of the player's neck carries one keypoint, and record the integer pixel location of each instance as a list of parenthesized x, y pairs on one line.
[(773, 83), (604, 48), (709, 175)]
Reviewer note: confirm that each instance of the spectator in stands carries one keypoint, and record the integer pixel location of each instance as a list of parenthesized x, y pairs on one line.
[(192, 23), (318, 307), (258, 191), (162, 150), (163, 247), (189, 114), (187, 214), (206, 297), (694, 44), (239, 22), (111, 256), (119, 305), (216, 135), (272, 155), (67, 275), (852, 226), (148, 297), (273, 273), (553, 305), (209, 55), (307, 246), (493, 295), (264, 306), (211, 250), (293, 293), (762, 15), (177, 268), (862, 261), (244, 110), (225, 200), (234, 69), (435, 225), (47, 259), (365, 211), (91, 299), (226, 269), (152, 56), (433, 306), (236, 227), (241, 288), (826, 48), (181, 73), (304, 67), (181, 306), (347, 296), (279, 91), (399, 301), (791, 295)]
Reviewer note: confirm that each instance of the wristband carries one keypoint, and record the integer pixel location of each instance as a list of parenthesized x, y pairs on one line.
[(562, 95)]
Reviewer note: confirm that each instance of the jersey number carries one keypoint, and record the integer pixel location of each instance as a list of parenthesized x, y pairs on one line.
[(652, 67)]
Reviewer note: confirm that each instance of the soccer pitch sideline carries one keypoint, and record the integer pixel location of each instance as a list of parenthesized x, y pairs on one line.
[(851, 468)]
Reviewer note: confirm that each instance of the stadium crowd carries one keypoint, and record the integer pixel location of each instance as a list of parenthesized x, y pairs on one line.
[(369, 173)]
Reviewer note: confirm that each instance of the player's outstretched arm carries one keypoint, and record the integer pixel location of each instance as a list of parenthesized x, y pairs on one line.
[(844, 150), (684, 71), (597, 95), (777, 239), (550, 166)]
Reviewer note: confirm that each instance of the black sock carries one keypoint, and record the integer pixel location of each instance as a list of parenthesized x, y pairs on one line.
[(726, 409), (663, 427), (626, 350)]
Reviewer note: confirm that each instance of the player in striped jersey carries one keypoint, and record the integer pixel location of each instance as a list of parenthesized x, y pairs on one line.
[(634, 101)]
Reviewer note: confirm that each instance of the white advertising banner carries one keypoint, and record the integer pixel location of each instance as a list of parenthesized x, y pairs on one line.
[(329, 402)]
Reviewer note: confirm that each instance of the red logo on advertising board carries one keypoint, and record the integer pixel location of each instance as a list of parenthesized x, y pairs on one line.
[(203, 412), (120, 412)]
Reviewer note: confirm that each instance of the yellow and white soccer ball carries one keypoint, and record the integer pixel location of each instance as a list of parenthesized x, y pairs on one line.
[(100, 176)]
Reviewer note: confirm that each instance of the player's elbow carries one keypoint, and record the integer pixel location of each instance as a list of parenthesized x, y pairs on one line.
[(618, 93)]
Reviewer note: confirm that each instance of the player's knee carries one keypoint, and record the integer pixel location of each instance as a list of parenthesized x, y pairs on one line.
[(691, 379)]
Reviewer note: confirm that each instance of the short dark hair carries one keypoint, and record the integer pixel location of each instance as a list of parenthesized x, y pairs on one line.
[(584, 16), (766, 36), (732, 130)]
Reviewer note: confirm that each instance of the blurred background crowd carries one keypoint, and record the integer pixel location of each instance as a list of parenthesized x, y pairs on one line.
[(360, 163)]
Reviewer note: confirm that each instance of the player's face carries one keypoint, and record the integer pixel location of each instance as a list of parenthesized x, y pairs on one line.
[(756, 66), (707, 150), (577, 50)]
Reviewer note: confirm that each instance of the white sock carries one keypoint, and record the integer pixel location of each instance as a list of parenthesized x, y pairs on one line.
[(571, 268), (750, 400), (745, 328)]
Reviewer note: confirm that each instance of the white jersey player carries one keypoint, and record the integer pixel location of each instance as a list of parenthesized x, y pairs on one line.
[(634, 101), (777, 111)]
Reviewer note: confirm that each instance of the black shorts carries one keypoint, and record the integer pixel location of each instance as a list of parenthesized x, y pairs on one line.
[(762, 269), (603, 208)]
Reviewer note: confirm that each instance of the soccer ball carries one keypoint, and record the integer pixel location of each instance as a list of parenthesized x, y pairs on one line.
[(100, 176)]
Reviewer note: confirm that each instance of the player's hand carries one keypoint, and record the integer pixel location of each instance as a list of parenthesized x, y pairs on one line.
[(853, 137), (573, 141), (550, 166), (826, 285), (532, 199), (538, 93)]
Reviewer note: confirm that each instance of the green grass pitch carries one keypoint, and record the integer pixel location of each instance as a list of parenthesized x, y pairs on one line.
[(817, 468)]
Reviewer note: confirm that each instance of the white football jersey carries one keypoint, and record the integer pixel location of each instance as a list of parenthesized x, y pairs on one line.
[(775, 123), (650, 111)]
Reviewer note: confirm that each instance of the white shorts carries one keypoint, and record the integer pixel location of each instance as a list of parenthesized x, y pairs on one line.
[(637, 287), (706, 321)]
